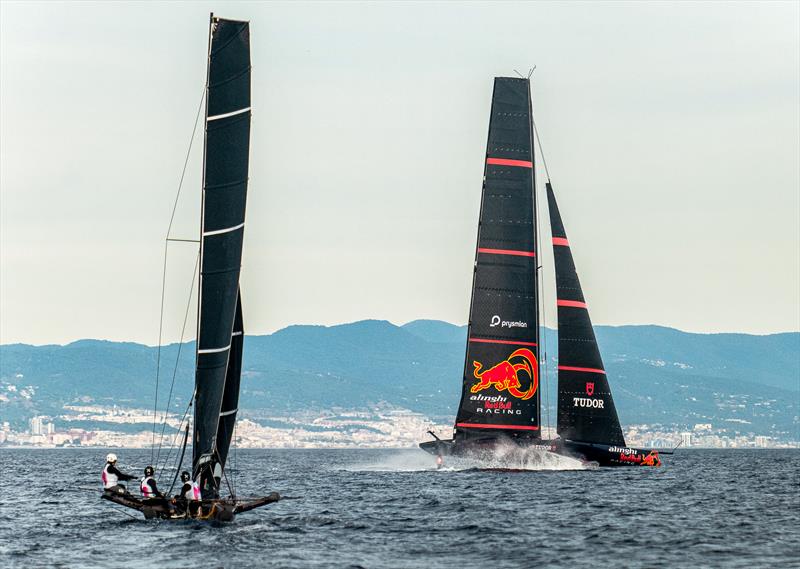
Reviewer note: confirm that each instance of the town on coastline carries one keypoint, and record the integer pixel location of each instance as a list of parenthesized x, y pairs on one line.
[(382, 427)]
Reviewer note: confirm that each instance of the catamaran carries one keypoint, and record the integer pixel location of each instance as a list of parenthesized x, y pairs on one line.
[(501, 390), (220, 329)]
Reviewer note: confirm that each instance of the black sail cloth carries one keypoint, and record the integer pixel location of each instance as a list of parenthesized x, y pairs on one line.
[(500, 394), (586, 411), (230, 398), (227, 148)]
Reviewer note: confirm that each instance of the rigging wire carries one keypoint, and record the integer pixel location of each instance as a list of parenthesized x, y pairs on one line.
[(175, 438), (164, 270), (177, 358), (541, 151)]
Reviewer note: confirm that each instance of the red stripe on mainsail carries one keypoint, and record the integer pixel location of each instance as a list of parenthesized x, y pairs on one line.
[(586, 369), (509, 162), (561, 241), (510, 342), (510, 427), (506, 252), (572, 303)]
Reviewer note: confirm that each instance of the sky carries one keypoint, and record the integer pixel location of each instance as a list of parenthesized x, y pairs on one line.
[(671, 132)]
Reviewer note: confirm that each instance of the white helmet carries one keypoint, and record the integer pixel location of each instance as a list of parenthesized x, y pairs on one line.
[(111, 457)]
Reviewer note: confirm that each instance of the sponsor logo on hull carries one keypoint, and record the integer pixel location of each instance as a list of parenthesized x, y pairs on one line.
[(590, 388), (650, 459), (505, 376)]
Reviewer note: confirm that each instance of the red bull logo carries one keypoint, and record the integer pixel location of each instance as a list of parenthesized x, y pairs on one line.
[(505, 375), (652, 459)]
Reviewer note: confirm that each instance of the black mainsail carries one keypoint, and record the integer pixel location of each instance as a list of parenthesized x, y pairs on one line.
[(225, 176), (500, 394), (586, 411)]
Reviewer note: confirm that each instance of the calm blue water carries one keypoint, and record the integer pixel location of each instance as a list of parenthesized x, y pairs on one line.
[(387, 508)]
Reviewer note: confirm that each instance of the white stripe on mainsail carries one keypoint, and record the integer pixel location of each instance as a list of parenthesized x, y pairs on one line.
[(236, 334), (226, 230), (226, 115), (226, 413), (214, 350)]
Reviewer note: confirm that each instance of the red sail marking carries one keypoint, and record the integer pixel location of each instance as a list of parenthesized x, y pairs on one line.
[(509, 162), (586, 369), (561, 241), (510, 342), (506, 252), (571, 303), (510, 427)]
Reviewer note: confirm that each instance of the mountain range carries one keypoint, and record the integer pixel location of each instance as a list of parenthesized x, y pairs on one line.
[(661, 376)]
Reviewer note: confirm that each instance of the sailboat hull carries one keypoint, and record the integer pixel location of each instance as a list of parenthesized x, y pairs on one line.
[(602, 455), (222, 510)]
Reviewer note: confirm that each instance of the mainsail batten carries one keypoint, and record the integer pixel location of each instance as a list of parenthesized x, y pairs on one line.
[(586, 411), (500, 392), (225, 176)]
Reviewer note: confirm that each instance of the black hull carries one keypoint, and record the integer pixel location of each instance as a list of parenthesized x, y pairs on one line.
[(602, 455), (222, 510)]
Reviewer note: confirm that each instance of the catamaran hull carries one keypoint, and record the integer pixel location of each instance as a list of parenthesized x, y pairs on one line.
[(207, 510), (602, 455)]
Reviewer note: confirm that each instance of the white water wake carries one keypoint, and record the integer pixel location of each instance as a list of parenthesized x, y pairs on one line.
[(501, 457)]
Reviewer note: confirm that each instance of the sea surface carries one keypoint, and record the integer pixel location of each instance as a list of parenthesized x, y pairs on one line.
[(392, 508)]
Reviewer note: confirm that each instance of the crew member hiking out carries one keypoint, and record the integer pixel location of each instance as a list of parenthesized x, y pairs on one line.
[(148, 487), (112, 476)]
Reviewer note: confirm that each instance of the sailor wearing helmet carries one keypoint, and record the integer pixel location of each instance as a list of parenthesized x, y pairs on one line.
[(148, 487), (112, 476), (188, 497)]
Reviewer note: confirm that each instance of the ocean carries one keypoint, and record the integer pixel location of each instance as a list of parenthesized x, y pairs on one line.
[(393, 509)]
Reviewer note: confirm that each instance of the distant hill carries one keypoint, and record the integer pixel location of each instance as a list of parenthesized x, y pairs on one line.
[(658, 375)]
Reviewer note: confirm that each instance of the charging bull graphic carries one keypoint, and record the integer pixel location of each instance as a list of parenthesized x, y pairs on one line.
[(652, 459), (505, 375)]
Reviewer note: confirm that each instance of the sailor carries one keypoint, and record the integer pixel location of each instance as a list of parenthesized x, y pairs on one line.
[(188, 496), (439, 461), (148, 487), (112, 476)]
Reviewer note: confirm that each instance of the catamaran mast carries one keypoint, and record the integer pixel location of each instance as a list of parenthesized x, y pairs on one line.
[(202, 225)]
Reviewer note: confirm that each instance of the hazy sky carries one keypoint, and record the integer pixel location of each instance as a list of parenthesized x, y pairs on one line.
[(672, 133)]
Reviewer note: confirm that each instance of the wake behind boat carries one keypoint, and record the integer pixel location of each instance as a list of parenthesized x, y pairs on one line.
[(220, 329), (500, 400)]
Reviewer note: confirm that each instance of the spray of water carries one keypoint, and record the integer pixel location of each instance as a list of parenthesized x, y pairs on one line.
[(503, 456), (509, 456)]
